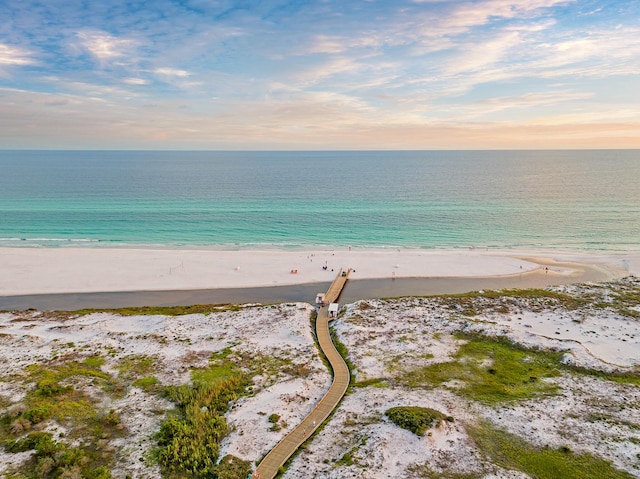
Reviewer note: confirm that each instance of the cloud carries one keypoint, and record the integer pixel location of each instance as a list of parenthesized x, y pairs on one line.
[(472, 57), (326, 44), (323, 71), (280, 69), (527, 105), (172, 72), (15, 56), (469, 14), (295, 120), (104, 46), (135, 81)]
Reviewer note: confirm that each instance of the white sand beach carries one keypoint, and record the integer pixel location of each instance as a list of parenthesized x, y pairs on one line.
[(80, 270)]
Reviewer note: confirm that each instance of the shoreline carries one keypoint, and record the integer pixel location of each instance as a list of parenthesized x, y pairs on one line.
[(78, 278)]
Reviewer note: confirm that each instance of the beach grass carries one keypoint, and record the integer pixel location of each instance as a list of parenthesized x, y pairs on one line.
[(162, 310), (514, 453), (135, 366), (622, 297), (188, 442), (471, 304), (490, 370), (629, 376), (149, 384), (425, 471), (189, 438), (59, 394), (344, 353), (380, 383)]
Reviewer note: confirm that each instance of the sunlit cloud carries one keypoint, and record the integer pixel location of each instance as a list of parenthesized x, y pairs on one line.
[(172, 72), (402, 74), (529, 103), (473, 13), (11, 55), (327, 44), (135, 81), (331, 68), (481, 55), (103, 46)]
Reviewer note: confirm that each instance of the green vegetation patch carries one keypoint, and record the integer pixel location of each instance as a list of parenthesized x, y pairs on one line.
[(342, 350), (231, 467), (477, 302), (416, 419), (94, 362), (623, 377), (513, 453), (136, 366), (349, 458), (55, 395), (215, 373), (492, 370), (54, 459), (424, 471), (163, 310), (271, 367), (188, 440), (626, 299), (380, 383), (58, 394), (621, 296), (148, 384)]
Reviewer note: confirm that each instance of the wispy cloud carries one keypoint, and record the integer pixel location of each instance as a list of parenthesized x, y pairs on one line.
[(13, 57), (481, 55), (172, 72), (528, 104), (103, 46), (135, 81), (428, 73)]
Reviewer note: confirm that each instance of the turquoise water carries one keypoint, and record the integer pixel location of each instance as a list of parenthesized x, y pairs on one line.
[(584, 200)]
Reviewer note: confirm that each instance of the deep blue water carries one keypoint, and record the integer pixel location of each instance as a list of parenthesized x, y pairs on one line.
[(585, 200)]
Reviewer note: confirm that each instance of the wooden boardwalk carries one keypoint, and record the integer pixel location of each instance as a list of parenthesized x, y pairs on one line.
[(270, 465)]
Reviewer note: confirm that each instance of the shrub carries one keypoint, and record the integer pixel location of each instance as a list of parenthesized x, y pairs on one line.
[(415, 419), (39, 441), (50, 388), (231, 467), (37, 414), (274, 418), (112, 418), (189, 442)]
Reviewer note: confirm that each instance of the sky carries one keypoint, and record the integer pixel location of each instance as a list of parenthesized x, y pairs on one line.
[(324, 74)]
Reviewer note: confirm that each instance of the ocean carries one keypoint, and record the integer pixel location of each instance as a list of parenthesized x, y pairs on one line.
[(577, 200)]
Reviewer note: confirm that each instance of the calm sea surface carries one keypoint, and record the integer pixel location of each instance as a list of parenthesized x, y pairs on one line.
[(584, 200)]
